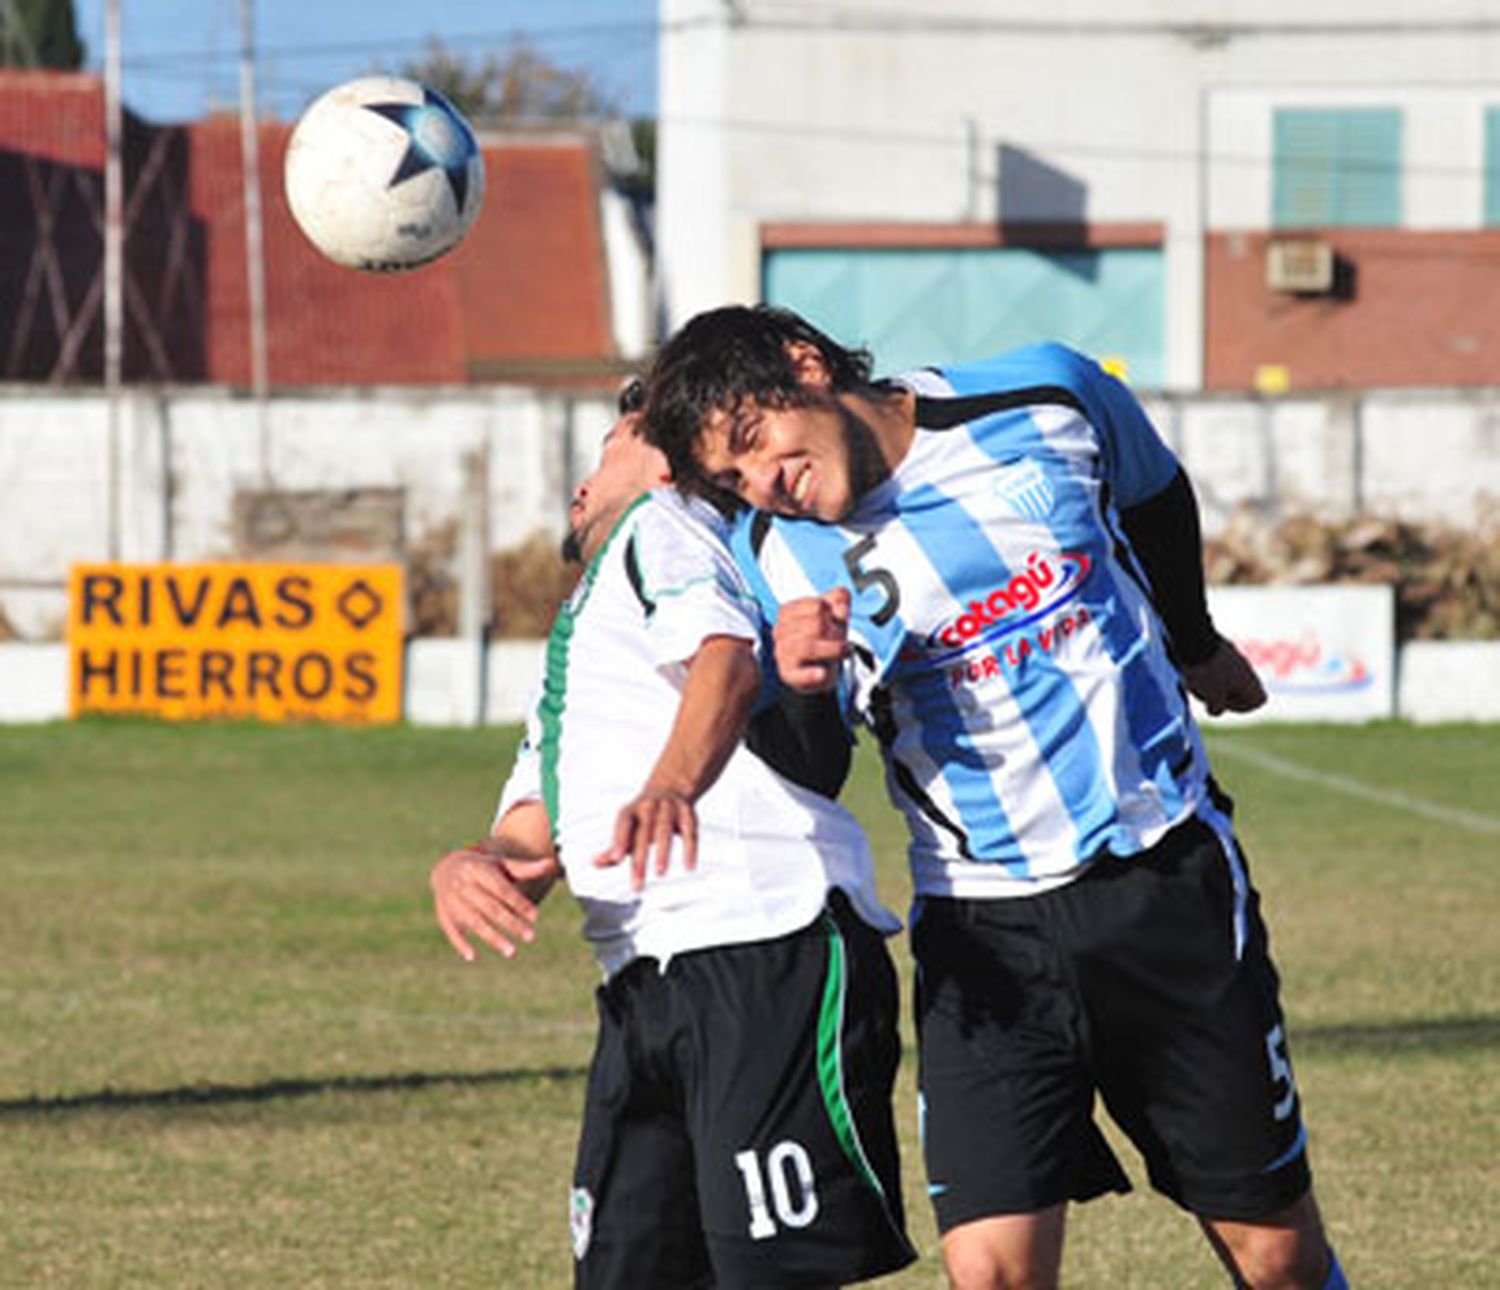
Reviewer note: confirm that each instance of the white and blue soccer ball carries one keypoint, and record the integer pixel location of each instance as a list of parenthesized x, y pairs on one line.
[(383, 174)]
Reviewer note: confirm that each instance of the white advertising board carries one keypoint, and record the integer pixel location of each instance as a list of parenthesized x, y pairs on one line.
[(1323, 653)]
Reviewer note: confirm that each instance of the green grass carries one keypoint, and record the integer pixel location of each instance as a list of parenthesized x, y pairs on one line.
[(237, 1051)]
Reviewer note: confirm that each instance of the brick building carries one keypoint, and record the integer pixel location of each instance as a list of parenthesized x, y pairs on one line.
[(527, 298)]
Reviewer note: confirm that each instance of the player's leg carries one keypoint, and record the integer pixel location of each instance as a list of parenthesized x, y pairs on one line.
[(1191, 1053), (788, 1088), (633, 1211), (1008, 1252), (1284, 1251), (1007, 1098)]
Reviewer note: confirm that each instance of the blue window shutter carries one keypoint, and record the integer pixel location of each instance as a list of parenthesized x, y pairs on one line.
[(1339, 166), (1492, 166), (930, 305)]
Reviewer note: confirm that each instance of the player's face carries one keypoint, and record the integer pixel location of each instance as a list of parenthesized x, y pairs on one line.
[(806, 460), (628, 466)]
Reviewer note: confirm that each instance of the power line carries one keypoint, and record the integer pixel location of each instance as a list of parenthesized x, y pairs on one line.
[(599, 35), (801, 16), (840, 21), (842, 135)]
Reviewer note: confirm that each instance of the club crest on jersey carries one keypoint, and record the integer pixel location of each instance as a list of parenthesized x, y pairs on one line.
[(581, 1220), (1025, 490), (1042, 585)]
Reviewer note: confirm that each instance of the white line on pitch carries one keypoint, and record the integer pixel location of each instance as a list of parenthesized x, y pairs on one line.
[(1392, 797)]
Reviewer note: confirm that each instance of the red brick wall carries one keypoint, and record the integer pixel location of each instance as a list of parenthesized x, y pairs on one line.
[(55, 116), (1417, 308), (532, 273), (325, 325), (525, 297)]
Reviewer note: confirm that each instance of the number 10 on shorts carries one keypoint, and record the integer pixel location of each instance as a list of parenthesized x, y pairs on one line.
[(792, 1192)]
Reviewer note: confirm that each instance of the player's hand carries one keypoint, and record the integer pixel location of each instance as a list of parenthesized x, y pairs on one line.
[(646, 825), (1225, 681), (812, 640), (475, 894)]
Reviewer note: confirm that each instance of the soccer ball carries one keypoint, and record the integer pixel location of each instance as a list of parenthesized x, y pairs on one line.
[(383, 174)]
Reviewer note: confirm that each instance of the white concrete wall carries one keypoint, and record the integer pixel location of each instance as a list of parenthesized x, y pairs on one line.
[(1412, 454), (1437, 681), (694, 227), (632, 310), (871, 111), (1449, 681), (184, 453), (1419, 455)]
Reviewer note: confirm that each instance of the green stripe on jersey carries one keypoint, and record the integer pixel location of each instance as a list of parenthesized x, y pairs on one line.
[(554, 700), (831, 1058)]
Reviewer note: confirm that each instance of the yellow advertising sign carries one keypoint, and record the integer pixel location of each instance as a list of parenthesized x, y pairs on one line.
[(275, 641)]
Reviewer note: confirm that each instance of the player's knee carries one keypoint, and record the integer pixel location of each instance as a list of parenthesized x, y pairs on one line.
[(984, 1258), (1277, 1259), (972, 1273)]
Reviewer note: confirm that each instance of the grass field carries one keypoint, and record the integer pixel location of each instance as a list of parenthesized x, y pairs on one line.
[(237, 1051)]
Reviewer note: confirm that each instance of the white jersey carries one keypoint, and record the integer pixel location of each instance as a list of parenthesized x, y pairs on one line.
[(768, 850)]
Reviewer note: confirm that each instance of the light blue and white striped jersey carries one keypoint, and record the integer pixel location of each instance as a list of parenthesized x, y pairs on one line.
[(1006, 651)]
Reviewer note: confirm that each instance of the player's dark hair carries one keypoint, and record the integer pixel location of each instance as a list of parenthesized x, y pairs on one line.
[(632, 396), (720, 358)]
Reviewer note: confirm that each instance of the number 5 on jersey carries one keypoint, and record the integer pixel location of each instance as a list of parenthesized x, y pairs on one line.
[(866, 579)]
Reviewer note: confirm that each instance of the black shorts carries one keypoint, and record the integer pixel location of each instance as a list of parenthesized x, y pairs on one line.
[(737, 1129), (1148, 981)]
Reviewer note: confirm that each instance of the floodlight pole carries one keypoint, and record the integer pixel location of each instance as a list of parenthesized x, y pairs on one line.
[(114, 276), (255, 258)]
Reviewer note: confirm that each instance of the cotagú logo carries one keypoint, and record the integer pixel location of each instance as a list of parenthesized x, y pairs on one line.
[(1306, 665), (1043, 584)]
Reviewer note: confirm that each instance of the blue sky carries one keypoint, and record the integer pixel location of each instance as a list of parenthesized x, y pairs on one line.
[(180, 57)]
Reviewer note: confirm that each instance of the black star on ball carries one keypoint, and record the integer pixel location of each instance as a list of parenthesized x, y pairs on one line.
[(437, 139)]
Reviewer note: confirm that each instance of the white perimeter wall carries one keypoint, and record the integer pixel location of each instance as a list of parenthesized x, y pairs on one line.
[(1435, 681), (1410, 454), (182, 455)]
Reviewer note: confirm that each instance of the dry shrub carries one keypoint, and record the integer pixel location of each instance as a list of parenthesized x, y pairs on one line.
[(1447, 578), (431, 588), (527, 584)]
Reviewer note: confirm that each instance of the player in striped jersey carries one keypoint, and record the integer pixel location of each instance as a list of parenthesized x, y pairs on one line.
[(1001, 563), (737, 1125)]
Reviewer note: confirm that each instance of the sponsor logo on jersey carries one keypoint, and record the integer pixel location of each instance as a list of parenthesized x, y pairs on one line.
[(581, 1220), (1015, 650), (1043, 585)]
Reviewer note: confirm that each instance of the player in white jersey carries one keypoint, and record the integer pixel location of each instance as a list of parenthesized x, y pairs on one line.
[(737, 1127), (1001, 564)]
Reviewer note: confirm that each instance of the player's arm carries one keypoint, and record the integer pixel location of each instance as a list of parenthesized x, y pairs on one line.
[(1160, 516), (1165, 533), (804, 738), (490, 889), (812, 641), (718, 693)]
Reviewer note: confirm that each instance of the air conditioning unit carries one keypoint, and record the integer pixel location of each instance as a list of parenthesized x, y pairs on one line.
[(1303, 266)]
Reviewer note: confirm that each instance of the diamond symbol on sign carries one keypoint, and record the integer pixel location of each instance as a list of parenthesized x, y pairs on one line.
[(360, 604)]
